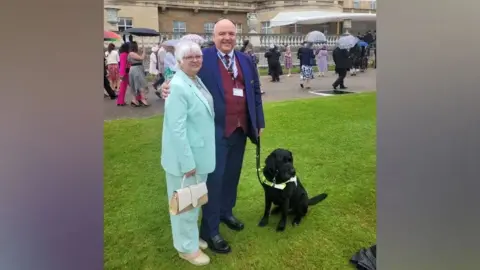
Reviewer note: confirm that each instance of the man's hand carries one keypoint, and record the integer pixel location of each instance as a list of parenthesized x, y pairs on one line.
[(165, 89), (260, 131), (190, 173)]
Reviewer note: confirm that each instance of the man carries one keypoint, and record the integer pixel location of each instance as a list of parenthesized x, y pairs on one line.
[(342, 65), (232, 80), (368, 37)]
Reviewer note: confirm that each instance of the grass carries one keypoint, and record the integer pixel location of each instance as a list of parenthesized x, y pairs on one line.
[(333, 140)]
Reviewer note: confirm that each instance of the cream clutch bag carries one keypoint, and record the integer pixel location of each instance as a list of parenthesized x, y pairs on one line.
[(188, 198)]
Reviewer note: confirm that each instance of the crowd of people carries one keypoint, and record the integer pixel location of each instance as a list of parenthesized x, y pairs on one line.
[(310, 55), (124, 68)]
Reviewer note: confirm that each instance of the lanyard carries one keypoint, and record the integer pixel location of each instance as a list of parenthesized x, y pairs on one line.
[(229, 68)]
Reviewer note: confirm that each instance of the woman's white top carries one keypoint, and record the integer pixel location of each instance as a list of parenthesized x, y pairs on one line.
[(113, 57), (153, 64)]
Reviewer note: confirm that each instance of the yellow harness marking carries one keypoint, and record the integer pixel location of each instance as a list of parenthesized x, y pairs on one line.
[(277, 186), (271, 184)]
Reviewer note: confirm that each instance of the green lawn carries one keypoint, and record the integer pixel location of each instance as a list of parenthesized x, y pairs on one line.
[(333, 141)]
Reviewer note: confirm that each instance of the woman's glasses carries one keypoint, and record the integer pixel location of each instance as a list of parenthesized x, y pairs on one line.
[(193, 57)]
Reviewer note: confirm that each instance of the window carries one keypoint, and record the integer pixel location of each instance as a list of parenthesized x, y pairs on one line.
[(179, 28), (373, 4), (124, 24), (208, 27), (356, 4), (266, 28), (294, 30), (239, 28)]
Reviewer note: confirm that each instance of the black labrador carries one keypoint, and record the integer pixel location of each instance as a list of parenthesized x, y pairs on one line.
[(283, 188)]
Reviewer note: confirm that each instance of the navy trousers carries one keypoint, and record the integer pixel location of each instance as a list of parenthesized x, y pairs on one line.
[(223, 182)]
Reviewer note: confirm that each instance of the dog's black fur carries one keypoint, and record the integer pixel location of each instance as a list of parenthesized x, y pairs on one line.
[(291, 200)]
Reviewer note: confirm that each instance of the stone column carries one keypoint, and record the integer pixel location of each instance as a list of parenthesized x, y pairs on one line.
[(347, 25), (252, 22)]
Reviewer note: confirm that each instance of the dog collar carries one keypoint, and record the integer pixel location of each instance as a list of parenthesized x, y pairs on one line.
[(281, 186)]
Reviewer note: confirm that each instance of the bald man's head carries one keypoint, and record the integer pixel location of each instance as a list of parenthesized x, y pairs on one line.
[(225, 35)]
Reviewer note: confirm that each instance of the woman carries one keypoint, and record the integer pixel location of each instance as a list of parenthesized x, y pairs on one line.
[(136, 76), (124, 69), (153, 66), (288, 60), (273, 60), (106, 83), (306, 57), (188, 145), (322, 60), (112, 57), (169, 63)]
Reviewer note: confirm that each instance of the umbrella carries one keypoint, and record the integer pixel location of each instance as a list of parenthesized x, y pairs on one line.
[(347, 42), (194, 38), (111, 36), (171, 42), (365, 259), (142, 32), (316, 37)]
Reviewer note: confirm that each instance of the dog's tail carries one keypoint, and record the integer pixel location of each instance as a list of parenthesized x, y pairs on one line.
[(317, 199)]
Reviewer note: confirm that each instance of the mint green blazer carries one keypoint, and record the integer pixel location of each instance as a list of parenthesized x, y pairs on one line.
[(188, 138)]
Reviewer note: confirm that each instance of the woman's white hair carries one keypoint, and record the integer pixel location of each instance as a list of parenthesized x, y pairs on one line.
[(185, 48)]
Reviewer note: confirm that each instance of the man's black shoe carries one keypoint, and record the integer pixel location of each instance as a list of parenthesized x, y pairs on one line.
[(218, 245), (233, 223)]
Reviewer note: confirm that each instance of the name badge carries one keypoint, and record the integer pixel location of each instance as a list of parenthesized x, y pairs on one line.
[(238, 92)]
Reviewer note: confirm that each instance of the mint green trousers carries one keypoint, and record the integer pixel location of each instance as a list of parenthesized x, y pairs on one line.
[(184, 226)]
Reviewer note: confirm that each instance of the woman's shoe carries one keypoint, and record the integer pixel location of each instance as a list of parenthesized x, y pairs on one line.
[(143, 103), (199, 259), (202, 244), (134, 105)]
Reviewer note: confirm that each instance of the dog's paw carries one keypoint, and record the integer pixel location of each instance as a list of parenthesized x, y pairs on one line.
[(296, 222), (263, 222), (281, 227)]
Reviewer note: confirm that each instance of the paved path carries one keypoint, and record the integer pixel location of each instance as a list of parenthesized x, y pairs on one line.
[(287, 89)]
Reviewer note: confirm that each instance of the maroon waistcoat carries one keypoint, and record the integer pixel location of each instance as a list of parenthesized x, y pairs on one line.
[(236, 113)]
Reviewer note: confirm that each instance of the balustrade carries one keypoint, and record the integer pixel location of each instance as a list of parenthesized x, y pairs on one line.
[(266, 40)]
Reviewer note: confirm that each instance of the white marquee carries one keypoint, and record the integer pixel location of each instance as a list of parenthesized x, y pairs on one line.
[(318, 17)]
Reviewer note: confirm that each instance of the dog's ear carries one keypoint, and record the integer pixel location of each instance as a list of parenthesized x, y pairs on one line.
[(270, 166), (291, 155)]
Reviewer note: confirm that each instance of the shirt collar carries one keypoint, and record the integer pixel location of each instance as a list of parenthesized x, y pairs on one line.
[(229, 54)]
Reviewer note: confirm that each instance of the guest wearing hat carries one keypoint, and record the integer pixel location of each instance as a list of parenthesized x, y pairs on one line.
[(153, 69), (273, 60), (245, 44)]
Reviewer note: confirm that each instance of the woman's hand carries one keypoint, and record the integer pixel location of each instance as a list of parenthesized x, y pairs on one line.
[(165, 89), (190, 173)]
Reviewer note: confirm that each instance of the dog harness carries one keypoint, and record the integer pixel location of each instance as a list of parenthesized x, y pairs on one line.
[(281, 186)]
